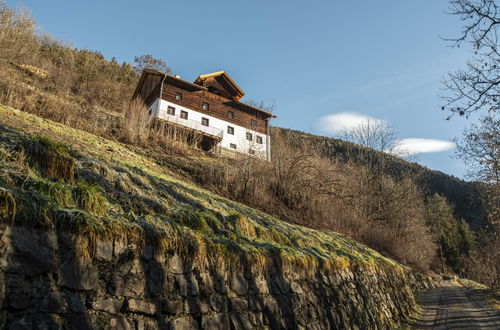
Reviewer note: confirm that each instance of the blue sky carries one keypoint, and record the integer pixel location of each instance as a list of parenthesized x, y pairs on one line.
[(313, 59)]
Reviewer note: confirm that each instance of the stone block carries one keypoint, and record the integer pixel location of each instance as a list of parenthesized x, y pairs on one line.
[(260, 285), (218, 303), (206, 283), (173, 307), (140, 306), (109, 305), (184, 323), (196, 305), (279, 285), (77, 273), (238, 304), (104, 250), (296, 288), (155, 278), (121, 323), (220, 287), (239, 284), (129, 279), (119, 248), (55, 302), (241, 321), (34, 321), (175, 264), (187, 285), (255, 303), (28, 252), (215, 321), (76, 304), (18, 292)]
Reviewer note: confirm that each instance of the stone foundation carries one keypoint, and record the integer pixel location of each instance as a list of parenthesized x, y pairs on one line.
[(46, 282)]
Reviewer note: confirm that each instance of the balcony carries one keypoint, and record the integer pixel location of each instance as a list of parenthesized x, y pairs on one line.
[(192, 124)]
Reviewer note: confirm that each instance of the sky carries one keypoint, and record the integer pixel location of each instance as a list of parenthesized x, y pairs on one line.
[(324, 64)]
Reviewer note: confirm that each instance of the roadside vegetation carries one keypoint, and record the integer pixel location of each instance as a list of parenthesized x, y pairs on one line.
[(417, 216)]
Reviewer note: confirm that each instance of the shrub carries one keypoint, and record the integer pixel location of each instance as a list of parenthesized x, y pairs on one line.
[(7, 205), (89, 197), (52, 158), (58, 192)]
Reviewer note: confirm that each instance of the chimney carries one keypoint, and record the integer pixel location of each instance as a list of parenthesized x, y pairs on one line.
[(177, 76)]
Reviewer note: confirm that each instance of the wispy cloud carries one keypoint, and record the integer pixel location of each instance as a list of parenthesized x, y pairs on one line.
[(339, 122), (344, 121), (418, 145)]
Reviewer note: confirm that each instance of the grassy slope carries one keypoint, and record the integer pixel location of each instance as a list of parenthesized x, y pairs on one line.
[(119, 193)]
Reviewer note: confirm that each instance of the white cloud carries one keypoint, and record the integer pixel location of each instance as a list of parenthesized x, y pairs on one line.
[(417, 146), (344, 121)]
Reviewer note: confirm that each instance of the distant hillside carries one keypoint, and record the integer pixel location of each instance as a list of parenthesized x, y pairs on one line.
[(462, 194)]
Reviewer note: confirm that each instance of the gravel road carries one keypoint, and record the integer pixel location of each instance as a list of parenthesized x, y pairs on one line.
[(453, 307)]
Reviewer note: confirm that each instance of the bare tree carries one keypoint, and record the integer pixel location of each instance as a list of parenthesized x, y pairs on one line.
[(477, 86), (261, 105), (374, 134), (480, 149), (148, 61)]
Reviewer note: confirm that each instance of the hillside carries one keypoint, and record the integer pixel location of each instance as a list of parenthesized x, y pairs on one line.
[(55, 180), (316, 182), (304, 196), (463, 195)]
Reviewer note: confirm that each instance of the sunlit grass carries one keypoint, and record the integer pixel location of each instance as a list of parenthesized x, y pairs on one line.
[(117, 193)]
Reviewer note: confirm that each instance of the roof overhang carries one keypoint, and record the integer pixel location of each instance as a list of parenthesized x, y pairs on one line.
[(168, 78), (245, 106)]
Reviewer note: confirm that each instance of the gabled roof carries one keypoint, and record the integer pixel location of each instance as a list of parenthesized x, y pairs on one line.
[(234, 91)]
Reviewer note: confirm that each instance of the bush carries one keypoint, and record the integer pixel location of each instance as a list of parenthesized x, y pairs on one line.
[(52, 158), (90, 198), (7, 205)]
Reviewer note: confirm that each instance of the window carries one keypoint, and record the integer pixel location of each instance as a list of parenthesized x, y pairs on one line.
[(249, 136), (204, 106), (253, 122), (232, 146), (259, 139), (230, 130), (204, 121), (230, 114), (171, 111), (184, 115), (178, 96), (251, 152)]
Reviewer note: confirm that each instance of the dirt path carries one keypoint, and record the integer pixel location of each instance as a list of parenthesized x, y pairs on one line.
[(453, 307)]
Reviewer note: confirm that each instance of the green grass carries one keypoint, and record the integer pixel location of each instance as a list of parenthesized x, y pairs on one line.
[(117, 193), (90, 198), (52, 158)]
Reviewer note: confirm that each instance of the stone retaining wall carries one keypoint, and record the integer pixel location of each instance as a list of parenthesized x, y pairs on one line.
[(46, 284)]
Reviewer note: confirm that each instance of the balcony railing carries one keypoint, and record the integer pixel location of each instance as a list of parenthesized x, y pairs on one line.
[(197, 126)]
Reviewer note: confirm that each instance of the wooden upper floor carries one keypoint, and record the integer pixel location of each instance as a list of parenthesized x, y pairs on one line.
[(214, 94)]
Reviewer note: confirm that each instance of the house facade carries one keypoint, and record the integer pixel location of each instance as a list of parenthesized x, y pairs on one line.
[(209, 106)]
